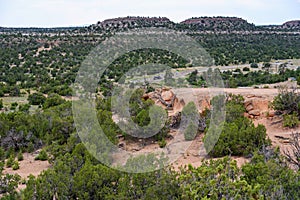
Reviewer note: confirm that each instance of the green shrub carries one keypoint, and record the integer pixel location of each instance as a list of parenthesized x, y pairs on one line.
[(10, 152), (30, 147), (162, 143), (254, 65), (1, 103), (36, 99), (246, 69), (2, 154), (290, 121), (239, 138), (15, 165), (20, 156), (53, 100), (13, 106), (190, 132), (10, 161), (42, 156), (24, 108)]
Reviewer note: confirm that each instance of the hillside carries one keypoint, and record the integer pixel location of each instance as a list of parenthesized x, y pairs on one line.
[(40, 125), (295, 24), (124, 23), (218, 23)]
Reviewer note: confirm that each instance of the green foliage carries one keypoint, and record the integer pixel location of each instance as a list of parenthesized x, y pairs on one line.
[(24, 108), (20, 156), (1, 104), (10, 152), (291, 120), (36, 99), (246, 69), (2, 153), (234, 107), (15, 91), (248, 78), (215, 180), (190, 120), (9, 184), (14, 106), (239, 136), (53, 100), (42, 155), (287, 101), (143, 118), (162, 143), (298, 80), (10, 161), (30, 147), (190, 132), (15, 165), (254, 65)]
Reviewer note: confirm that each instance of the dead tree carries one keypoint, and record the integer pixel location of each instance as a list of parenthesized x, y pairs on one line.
[(293, 155)]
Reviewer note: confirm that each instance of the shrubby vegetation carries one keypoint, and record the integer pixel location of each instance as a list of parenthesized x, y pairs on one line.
[(237, 78), (48, 65), (239, 136), (77, 175)]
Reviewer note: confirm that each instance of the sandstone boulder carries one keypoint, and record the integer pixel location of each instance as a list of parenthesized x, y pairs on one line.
[(254, 112), (249, 108)]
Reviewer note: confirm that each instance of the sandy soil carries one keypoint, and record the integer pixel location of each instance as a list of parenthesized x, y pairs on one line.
[(278, 134), (29, 166), (194, 155)]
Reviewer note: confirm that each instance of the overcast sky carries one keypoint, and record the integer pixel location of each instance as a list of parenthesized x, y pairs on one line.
[(54, 13)]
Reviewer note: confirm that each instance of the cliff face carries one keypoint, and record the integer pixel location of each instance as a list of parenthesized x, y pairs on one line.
[(218, 23)]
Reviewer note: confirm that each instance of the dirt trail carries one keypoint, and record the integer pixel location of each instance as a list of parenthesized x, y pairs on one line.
[(278, 134)]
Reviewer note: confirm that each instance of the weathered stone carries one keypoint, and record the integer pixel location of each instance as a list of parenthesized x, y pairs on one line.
[(249, 107), (254, 112), (271, 113), (167, 95), (247, 103)]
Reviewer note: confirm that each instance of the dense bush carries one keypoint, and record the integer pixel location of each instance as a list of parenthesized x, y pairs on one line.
[(287, 101), (36, 99), (190, 120), (239, 136), (291, 120), (53, 100), (42, 156), (15, 165)]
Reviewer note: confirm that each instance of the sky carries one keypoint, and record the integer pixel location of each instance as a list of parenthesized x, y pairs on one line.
[(62, 13)]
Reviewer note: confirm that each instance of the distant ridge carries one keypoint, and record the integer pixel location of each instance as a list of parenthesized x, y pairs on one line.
[(218, 23), (132, 22), (295, 24), (214, 24)]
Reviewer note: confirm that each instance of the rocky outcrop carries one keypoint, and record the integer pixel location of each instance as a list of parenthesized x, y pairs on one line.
[(256, 106), (123, 23), (218, 23), (166, 99), (295, 24)]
